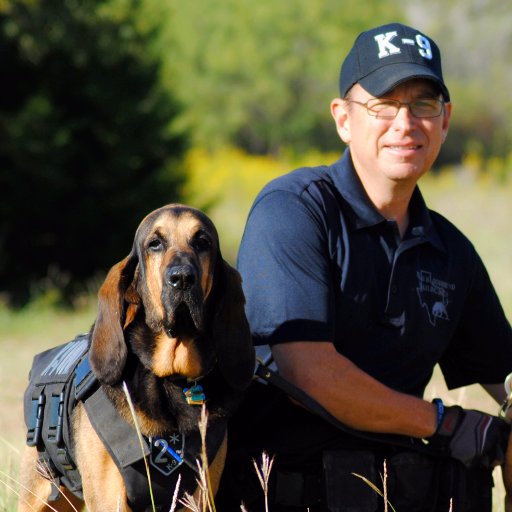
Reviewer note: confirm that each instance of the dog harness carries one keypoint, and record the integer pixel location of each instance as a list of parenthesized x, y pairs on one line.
[(59, 379)]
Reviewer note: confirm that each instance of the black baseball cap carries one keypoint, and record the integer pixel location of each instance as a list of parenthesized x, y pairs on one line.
[(386, 56)]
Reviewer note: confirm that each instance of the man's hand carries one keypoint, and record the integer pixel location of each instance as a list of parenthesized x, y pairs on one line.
[(472, 437)]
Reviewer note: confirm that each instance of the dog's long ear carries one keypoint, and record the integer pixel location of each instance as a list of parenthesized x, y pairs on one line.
[(108, 348), (231, 333)]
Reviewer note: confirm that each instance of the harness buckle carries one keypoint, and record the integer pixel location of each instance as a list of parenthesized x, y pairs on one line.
[(35, 421), (64, 458), (56, 419)]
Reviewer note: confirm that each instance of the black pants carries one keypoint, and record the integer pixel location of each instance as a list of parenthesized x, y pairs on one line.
[(413, 483), (319, 468)]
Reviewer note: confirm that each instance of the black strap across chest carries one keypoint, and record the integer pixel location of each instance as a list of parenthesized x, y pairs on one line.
[(270, 376), (168, 456)]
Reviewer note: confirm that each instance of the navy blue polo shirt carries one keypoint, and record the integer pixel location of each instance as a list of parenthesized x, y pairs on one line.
[(320, 263)]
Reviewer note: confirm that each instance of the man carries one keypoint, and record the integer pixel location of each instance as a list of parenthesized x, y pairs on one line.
[(360, 291)]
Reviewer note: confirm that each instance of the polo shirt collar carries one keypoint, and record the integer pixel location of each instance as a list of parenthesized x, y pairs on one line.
[(365, 215)]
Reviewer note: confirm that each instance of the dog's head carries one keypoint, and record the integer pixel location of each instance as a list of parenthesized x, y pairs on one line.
[(188, 297)]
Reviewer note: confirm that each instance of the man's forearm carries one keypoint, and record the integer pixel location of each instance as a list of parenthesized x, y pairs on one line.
[(351, 395)]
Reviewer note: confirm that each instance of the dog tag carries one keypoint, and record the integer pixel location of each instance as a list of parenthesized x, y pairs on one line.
[(167, 453), (195, 395)]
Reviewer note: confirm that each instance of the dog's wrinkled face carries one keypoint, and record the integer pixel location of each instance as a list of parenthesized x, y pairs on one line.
[(175, 303), (177, 248)]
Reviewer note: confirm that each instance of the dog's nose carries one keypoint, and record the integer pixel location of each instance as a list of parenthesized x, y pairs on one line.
[(181, 277)]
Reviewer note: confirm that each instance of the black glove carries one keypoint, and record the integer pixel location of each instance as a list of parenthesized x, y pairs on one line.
[(472, 437)]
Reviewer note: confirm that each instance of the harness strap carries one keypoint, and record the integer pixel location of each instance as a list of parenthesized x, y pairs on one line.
[(118, 436), (35, 416), (164, 454), (48, 402), (272, 377), (85, 380)]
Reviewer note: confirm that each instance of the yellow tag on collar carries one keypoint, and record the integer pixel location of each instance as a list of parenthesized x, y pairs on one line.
[(195, 395)]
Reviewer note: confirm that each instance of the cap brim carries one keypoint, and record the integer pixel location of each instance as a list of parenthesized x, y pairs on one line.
[(386, 78)]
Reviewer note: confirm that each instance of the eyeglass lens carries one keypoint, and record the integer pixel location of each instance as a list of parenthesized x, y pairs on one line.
[(418, 108)]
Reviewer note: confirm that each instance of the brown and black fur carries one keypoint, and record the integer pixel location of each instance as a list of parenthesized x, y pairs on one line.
[(172, 309)]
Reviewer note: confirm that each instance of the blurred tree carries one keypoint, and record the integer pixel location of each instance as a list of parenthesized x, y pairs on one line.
[(261, 75), (86, 148), (475, 40)]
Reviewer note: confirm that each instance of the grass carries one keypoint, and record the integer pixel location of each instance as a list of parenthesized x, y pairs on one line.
[(481, 208), (382, 493), (263, 470), (22, 335)]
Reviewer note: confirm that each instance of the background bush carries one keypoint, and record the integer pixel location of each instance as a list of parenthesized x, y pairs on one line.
[(101, 98), (85, 145)]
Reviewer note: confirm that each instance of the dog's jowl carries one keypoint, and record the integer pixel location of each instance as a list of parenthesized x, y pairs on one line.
[(170, 338)]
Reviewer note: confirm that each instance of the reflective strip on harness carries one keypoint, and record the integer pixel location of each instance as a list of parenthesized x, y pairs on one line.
[(65, 361)]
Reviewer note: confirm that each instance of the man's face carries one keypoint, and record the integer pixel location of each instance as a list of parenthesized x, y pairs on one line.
[(397, 150)]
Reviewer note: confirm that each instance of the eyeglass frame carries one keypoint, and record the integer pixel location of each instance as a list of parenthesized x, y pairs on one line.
[(399, 105)]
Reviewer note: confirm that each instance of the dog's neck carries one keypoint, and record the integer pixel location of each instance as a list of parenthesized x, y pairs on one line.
[(155, 417)]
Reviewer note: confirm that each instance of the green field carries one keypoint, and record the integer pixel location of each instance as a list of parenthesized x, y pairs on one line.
[(483, 210)]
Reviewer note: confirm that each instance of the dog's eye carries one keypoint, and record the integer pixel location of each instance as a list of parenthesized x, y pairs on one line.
[(201, 243), (155, 245)]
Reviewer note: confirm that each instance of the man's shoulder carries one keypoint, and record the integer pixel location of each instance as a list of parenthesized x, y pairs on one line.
[(451, 235), (297, 181), (292, 198), (301, 185)]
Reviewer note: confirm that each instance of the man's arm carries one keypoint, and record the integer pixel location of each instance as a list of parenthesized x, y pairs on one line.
[(351, 395), (361, 402)]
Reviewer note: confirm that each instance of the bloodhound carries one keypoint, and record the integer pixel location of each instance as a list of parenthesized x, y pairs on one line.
[(170, 318)]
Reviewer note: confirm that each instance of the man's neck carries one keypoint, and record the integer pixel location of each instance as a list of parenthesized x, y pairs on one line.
[(398, 213), (391, 199)]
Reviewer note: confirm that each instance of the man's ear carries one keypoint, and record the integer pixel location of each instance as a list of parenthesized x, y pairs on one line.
[(446, 119), (339, 112)]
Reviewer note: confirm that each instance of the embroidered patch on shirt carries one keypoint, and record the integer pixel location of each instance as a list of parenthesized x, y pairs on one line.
[(434, 296)]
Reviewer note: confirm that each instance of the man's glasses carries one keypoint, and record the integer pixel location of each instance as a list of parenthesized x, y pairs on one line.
[(388, 109)]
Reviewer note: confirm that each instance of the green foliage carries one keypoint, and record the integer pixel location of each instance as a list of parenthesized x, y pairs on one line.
[(475, 41), (95, 93), (86, 148), (260, 75)]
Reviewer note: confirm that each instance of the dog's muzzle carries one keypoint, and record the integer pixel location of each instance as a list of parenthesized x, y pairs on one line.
[(181, 277), (183, 300)]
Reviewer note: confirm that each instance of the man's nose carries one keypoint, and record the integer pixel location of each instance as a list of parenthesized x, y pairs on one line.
[(404, 116)]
